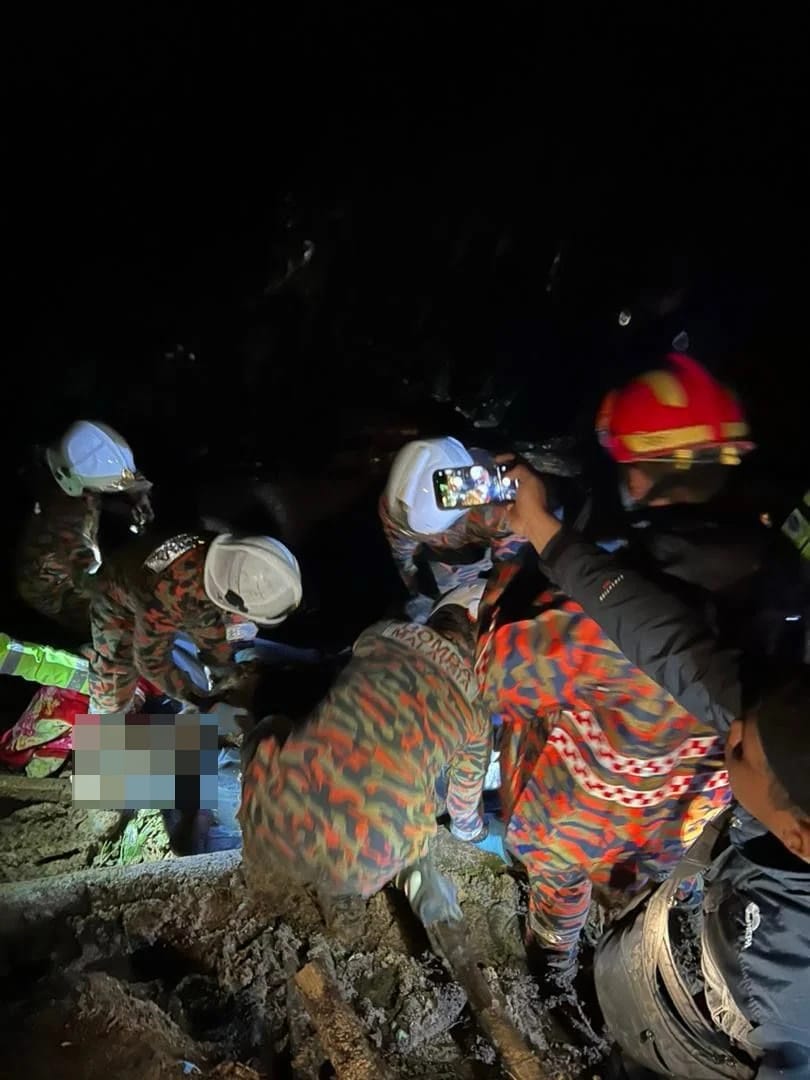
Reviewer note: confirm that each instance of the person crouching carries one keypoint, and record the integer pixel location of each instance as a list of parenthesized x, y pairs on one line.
[(347, 801)]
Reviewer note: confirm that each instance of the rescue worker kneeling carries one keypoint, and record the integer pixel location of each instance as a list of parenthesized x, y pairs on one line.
[(212, 590), (347, 802)]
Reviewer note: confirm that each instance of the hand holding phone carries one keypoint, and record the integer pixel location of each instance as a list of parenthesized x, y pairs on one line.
[(473, 485)]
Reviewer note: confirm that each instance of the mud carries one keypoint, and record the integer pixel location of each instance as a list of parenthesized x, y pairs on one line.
[(42, 834), (685, 929), (45, 839), (163, 969)]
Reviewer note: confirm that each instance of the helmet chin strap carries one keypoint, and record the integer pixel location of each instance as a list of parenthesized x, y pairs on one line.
[(399, 513)]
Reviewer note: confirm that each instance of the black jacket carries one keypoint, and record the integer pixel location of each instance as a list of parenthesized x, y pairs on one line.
[(755, 576), (763, 951)]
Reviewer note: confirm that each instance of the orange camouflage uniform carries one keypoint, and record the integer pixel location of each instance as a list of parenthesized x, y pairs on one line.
[(137, 613), (57, 550), (349, 799), (604, 776)]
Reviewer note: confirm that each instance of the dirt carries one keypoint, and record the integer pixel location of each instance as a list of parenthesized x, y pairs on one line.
[(132, 972), (45, 839), (42, 834)]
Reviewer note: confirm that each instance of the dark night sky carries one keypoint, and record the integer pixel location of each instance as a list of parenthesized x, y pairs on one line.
[(162, 165), (151, 150)]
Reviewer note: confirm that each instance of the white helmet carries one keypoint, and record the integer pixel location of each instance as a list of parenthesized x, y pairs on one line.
[(409, 492), (254, 576), (93, 457)]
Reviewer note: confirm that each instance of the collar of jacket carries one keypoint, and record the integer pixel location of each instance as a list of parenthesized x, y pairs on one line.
[(166, 553), (699, 545), (441, 652)]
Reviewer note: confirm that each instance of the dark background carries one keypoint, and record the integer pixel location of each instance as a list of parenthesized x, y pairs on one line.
[(164, 169)]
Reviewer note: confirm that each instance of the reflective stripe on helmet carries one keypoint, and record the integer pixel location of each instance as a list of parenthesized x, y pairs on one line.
[(667, 388), (669, 415)]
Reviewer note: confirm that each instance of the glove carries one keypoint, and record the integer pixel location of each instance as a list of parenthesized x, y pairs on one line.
[(432, 896), (418, 608), (186, 657), (492, 839)]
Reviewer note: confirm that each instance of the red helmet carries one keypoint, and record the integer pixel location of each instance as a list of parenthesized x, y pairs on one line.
[(678, 415)]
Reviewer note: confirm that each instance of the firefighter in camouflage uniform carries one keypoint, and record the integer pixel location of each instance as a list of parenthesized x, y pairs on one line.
[(212, 590), (437, 550), (58, 552), (347, 801), (606, 779)]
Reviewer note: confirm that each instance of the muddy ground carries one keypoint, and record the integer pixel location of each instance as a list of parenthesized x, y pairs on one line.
[(164, 969), (44, 839)]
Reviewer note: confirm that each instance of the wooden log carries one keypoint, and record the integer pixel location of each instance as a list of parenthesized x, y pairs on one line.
[(518, 1061), (31, 789), (36, 902), (339, 1030)]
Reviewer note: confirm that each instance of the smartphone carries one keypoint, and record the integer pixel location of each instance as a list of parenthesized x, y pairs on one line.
[(473, 485)]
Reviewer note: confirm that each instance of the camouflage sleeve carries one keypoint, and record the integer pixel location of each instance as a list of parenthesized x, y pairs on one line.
[(491, 525), (85, 556), (404, 548), (215, 644), (465, 775), (113, 674), (551, 653), (180, 604), (217, 650), (156, 663), (158, 666)]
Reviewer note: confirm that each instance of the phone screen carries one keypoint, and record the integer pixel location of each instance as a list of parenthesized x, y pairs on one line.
[(472, 485)]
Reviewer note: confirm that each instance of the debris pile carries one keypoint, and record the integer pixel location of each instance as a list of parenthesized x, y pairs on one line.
[(176, 968)]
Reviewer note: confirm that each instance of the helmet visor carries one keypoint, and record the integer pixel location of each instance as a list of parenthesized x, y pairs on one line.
[(124, 481)]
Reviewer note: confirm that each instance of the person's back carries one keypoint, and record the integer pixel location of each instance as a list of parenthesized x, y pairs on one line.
[(56, 552), (348, 799), (604, 774)]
